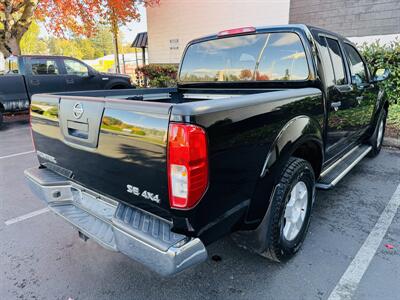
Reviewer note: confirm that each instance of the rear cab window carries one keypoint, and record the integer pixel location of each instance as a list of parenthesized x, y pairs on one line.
[(44, 66), (276, 56)]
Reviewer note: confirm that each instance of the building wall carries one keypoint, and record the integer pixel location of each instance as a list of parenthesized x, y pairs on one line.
[(175, 22), (351, 18)]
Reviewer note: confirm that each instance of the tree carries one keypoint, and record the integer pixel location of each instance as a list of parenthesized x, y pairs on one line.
[(15, 17), (63, 18), (31, 43), (65, 47), (102, 41)]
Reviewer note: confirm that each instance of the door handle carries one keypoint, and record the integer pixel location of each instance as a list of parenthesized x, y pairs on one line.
[(346, 88), (35, 82), (359, 99), (336, 105), (70, 81)]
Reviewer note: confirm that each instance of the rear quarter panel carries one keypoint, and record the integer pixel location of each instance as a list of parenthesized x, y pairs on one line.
[(241, 132)]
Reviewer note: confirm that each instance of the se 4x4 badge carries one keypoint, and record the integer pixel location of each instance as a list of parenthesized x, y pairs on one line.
[(145, 194)]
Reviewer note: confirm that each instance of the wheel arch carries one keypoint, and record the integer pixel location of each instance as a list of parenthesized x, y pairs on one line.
[(116, 84), (300, 137)]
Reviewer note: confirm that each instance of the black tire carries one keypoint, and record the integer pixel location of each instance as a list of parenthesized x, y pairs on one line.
[(376, 139), (1, 119), (281, 249), (119, 87)]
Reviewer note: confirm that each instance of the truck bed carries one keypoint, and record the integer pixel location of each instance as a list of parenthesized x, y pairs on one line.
[(168, 95), (117, 146)]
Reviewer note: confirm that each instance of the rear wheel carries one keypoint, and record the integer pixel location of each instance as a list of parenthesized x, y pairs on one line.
[(1, 119), (290, 210), (378, 135)]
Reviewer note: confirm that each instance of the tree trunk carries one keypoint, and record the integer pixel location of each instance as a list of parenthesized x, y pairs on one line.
[(10, 46), (16, 19)]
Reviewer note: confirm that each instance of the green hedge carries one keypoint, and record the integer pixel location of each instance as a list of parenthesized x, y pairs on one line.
[(155, 75), (385, 56)]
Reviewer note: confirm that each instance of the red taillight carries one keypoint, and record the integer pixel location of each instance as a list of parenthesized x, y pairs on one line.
[(187, 165), (237, 31)]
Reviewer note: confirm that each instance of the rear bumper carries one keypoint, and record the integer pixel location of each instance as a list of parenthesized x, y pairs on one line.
[(116, 226)]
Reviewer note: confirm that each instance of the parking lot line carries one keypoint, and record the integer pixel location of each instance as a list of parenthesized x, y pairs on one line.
[(27, 216), (16, 154), (351, 278)]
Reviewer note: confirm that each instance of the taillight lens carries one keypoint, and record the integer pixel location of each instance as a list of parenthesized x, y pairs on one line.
[(187, 165)]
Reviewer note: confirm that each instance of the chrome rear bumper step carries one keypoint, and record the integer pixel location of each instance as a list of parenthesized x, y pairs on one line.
[(116, 226), (332, 175)]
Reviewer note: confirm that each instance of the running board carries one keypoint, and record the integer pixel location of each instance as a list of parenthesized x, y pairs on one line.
[(332, 175)]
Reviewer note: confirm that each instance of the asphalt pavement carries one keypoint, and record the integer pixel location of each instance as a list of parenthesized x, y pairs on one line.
[(41, 256)]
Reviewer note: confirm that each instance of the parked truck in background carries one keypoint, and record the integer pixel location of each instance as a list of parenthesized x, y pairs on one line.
[(261, 117), (33, 74)]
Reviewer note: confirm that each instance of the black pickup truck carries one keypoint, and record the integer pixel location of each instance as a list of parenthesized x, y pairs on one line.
[(261, 117), (27, 75)]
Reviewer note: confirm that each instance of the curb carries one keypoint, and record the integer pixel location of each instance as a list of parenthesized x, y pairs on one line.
[(391, 142)]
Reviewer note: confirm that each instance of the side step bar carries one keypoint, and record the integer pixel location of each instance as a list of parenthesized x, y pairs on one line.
[(333, 174)]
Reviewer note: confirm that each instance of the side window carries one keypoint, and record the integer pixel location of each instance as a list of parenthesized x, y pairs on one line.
[(326, 63), (43, 66), (337, 61), (357, 67), (76, 68)]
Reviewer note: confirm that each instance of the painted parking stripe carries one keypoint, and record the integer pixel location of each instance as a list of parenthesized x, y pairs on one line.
[(351, 278), (27, 216), (16, 154)]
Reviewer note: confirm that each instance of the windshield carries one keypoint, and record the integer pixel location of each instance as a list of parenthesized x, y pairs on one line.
[(257, 57)]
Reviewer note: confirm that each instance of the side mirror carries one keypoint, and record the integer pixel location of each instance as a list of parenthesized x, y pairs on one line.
[(381, 75), (91, 73)]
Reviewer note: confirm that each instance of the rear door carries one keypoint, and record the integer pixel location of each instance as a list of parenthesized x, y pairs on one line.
[(79, 77), (44, 75), (364, 92), (115, 147), (341, 103)]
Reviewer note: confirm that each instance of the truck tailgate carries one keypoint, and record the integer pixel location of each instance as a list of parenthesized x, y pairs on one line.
[(115, 147)]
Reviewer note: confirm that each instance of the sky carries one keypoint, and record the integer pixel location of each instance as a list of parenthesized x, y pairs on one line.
[(129, 31), (133, 28)]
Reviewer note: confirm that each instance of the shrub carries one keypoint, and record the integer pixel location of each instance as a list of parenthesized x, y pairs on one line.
[(157, 75), (385, 56)]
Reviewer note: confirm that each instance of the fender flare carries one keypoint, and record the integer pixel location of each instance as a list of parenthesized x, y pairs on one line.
[(296, 132), (382, 103)]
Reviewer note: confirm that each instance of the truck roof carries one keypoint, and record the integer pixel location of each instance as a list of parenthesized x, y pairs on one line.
[(289, 27), (42, 56)]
